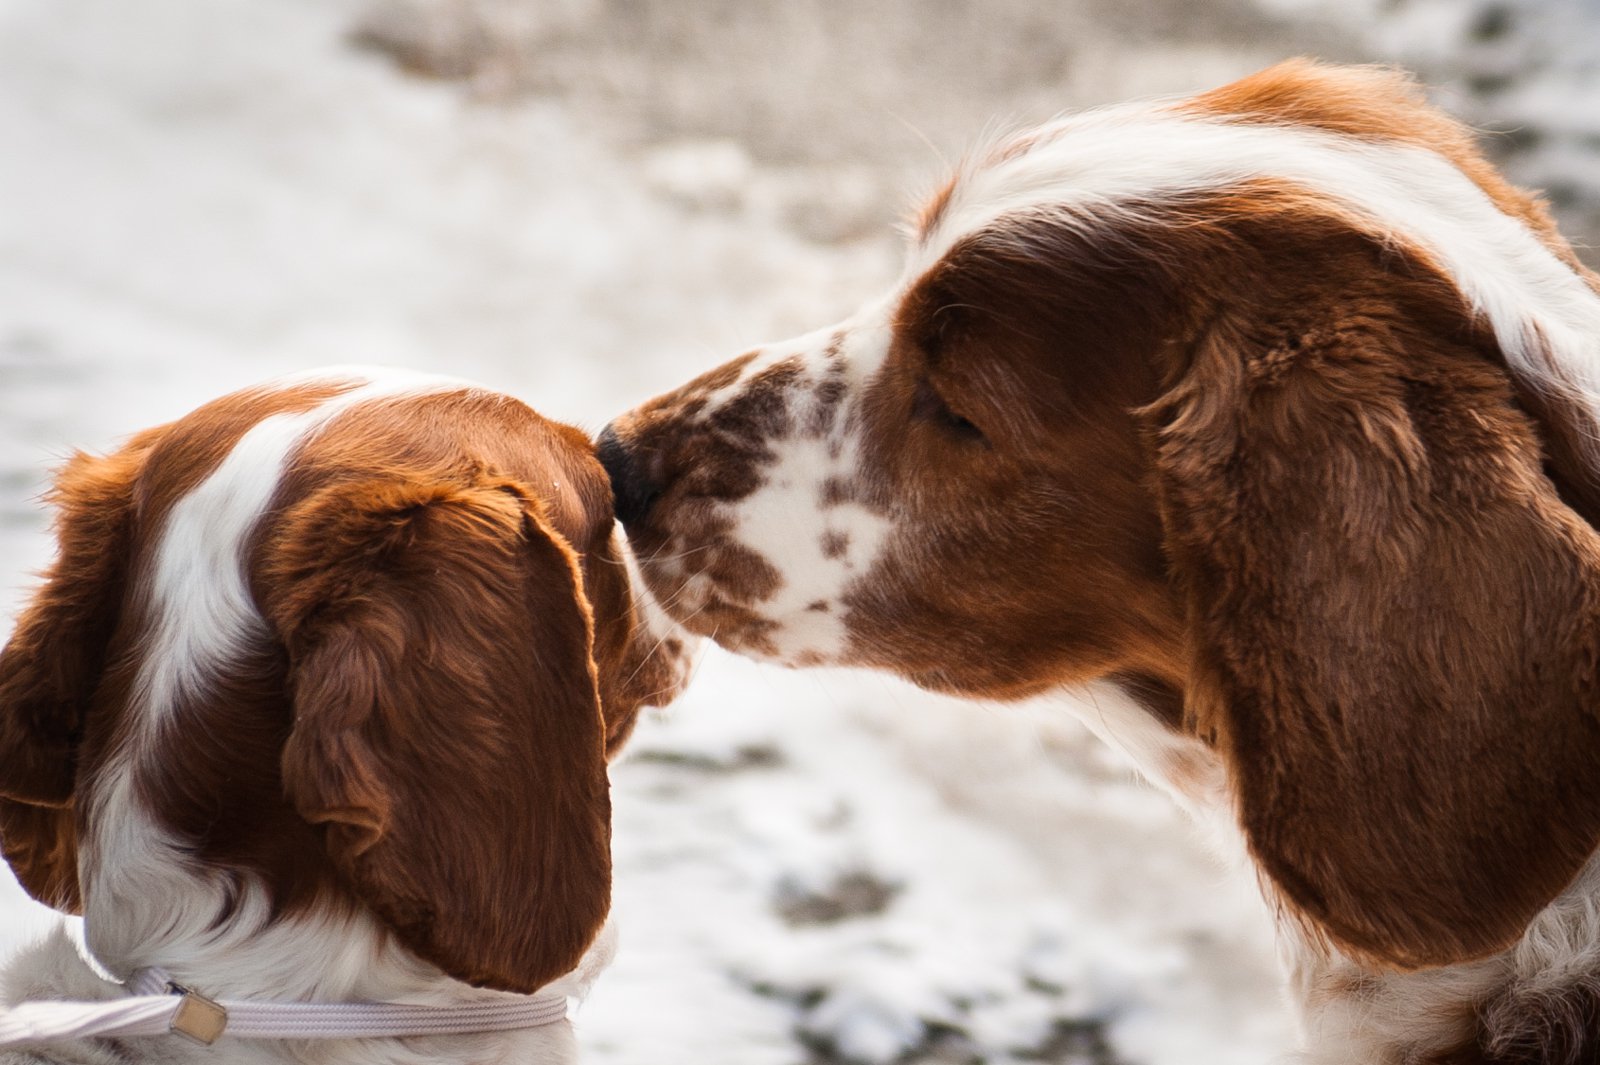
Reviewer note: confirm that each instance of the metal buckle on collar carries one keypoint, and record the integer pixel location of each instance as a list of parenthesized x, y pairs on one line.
[(198, 1019)]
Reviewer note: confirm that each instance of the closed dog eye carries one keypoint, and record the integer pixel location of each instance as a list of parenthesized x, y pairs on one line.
[(929, 406)]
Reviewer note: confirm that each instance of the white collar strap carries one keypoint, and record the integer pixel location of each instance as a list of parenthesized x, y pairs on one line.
[(160, 1007)]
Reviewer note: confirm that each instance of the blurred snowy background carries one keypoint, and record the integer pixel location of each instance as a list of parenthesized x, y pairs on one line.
[(584, 202)]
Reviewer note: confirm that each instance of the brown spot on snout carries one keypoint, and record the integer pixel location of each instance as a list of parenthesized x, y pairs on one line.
[(760, 411), (835, 492)]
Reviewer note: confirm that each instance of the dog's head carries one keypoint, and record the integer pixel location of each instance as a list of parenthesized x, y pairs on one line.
[(343, 642), (1273, 404)]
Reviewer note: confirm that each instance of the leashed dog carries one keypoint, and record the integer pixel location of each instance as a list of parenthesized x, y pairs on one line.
[(1276, 409), (314, 706)]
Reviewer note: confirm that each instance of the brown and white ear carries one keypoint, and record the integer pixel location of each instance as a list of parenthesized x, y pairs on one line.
[(1395, 626), (447, 729), (51, 668)]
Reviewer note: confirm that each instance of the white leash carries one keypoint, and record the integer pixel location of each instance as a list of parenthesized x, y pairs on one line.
[(161, 1007)]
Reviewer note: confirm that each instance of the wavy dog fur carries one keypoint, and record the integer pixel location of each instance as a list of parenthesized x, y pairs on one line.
[(315, 705)]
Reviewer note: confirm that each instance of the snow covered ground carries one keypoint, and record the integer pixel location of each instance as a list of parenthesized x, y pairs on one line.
[(602, 198)]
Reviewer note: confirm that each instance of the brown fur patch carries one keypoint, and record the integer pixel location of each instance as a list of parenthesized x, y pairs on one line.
[(396, 599), (51, 670)]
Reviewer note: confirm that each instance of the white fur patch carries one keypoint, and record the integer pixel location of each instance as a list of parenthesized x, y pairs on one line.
[(1178, 763), (818, 550), (657, 625), (202, 616), (819, 547)]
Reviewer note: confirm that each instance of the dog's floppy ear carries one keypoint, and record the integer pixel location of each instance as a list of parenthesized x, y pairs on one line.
[(447, 729), (1395, 628), (51, 668)]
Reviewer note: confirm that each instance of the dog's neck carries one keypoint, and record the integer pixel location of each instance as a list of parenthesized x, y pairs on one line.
[(1542, 991), (145, 904), (53, 969), (148, 902)]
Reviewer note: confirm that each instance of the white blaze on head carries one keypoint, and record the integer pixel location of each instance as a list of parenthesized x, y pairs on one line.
[(203, 616), (1106, 168)]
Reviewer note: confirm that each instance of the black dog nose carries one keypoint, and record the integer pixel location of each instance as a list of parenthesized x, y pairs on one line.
[(631, 490)]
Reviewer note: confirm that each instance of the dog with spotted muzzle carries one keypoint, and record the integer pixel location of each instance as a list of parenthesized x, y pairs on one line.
[(1271, 412)]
